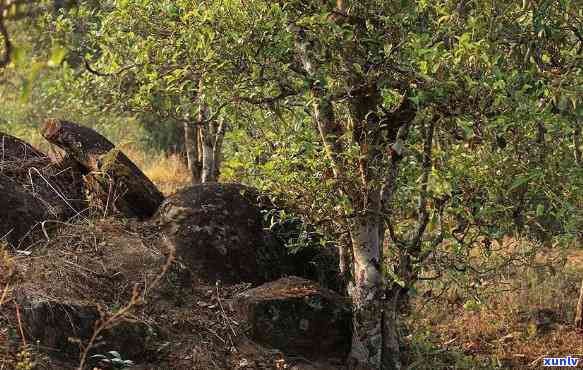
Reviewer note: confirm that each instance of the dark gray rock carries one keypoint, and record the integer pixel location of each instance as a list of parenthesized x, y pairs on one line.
[(295, 315), (59, 325), (217, 231), (19, 211)]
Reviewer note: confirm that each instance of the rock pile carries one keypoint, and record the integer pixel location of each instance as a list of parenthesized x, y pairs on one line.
[(200, 239)]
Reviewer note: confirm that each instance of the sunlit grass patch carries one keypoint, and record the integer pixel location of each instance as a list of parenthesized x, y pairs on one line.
[(168, 172)]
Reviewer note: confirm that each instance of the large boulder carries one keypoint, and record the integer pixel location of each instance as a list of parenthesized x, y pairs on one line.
[(295, 315), (217, 231), (14, 150)]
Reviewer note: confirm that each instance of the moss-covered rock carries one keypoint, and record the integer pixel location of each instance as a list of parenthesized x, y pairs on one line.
[(297, 316)]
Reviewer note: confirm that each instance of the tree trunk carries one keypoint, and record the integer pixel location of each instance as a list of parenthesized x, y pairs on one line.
[(116, 182), (211, 139), (391, 348), (191, 146), (208, 160), (579, 310), (375, 342), (218, 149), (366, 291), (577, 143)]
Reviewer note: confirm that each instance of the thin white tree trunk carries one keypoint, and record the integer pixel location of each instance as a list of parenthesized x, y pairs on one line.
[(191, 147), (366, 291), (212, 135), (579, 310), (207, 155), (218, 149), (206, 140)]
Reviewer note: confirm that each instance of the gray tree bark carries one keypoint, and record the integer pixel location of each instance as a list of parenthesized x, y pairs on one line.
[(579, 310), (211, 139), (375, 342), (192, 156)]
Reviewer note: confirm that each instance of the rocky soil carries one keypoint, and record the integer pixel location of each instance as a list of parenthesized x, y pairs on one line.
[(200, 285)]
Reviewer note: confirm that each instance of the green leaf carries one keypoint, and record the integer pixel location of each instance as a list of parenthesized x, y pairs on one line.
[(57, 56), (519, 182), (18, 56), (432, 225), (540, 210), (114, 354), (472, 305)]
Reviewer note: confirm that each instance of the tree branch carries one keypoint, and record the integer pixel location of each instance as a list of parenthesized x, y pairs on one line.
[(405, 115), (215, 114), (427, 164), (267, 100), (5, 60), (104, 74)]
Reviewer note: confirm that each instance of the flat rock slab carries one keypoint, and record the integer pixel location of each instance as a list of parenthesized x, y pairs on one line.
[(295, 315)]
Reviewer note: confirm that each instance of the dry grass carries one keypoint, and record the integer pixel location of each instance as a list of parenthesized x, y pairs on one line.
[(115, 265), (527, 317), (169, 173)]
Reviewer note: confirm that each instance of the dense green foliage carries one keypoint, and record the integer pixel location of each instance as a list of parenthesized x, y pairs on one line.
[(496, 87)]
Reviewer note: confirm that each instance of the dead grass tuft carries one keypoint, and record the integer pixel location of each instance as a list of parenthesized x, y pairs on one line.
[(168, 172), (525, 313)]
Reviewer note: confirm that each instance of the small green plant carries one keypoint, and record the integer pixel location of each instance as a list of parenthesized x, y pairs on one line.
[(24, 360), (113, 360), (472, 305), (291, 230)]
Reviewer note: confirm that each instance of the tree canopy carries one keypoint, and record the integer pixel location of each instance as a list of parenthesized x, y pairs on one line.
[(403, 129)]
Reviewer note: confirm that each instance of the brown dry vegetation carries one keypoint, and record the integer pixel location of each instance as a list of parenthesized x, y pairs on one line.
[(114, 263), (524, 313), (169, 173), (191, 324)]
